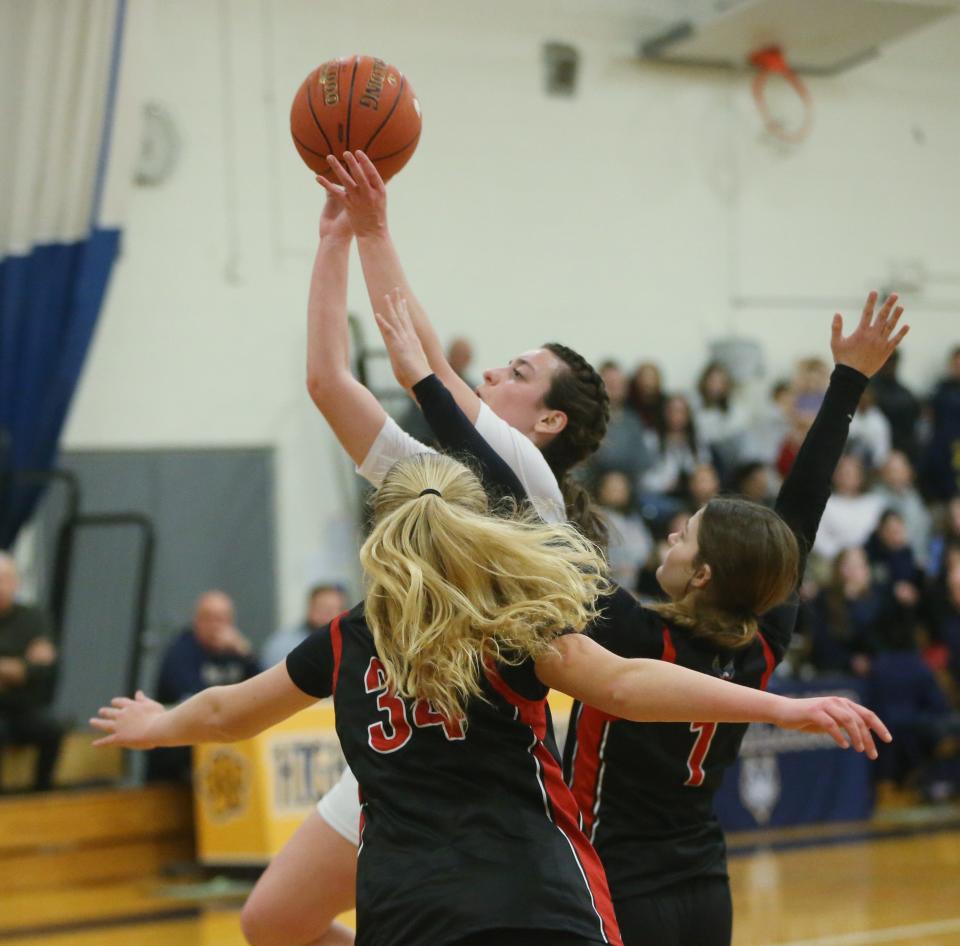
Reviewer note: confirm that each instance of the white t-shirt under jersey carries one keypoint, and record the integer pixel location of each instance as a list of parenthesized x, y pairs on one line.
[(518, 451), (340, 807)]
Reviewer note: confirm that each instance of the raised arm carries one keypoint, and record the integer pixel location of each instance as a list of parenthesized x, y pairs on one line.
[(647, 690), (365, 197), (217, 714), (353, 413), (858, 357)]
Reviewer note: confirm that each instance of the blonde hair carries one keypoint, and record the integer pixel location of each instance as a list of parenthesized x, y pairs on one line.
[(451, 586)]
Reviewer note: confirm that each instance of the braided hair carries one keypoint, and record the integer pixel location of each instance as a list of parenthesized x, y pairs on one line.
[(578, 391)]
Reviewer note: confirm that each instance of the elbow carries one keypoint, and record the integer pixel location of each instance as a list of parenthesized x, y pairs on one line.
[(219, 725), (624, 697), (323, 387)]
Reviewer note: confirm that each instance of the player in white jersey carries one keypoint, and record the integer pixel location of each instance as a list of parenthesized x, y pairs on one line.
[(543, 412)]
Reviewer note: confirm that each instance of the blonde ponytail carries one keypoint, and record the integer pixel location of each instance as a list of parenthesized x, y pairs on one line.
[(451, 586)]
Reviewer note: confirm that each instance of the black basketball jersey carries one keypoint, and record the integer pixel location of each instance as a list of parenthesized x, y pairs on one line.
[(467, 825), (646, 789)]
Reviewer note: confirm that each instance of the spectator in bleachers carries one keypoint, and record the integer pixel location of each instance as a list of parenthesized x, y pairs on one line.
[(850, 515), (810, 379), (942, 457), (770, 427), (28, 661), (702, 485), (211, 652), (948, 621), (947, 537), (646, 397), (900, 407), (896, 491), (870, 436), (904, 692), (720, 417), (324, 603), (630, 542), (849, 617), (624, 447), (677, 452), (752, 481), (893, 562)]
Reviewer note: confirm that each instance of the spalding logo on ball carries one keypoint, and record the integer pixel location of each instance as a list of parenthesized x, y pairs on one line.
[(356, 104)]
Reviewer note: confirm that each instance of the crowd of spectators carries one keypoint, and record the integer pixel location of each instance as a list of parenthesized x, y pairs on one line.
[(881, 596)]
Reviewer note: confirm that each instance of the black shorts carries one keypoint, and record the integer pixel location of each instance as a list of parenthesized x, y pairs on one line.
[(525, 938), (697, 912)]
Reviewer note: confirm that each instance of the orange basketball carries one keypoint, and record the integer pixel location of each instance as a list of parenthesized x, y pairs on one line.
[(359, 103)]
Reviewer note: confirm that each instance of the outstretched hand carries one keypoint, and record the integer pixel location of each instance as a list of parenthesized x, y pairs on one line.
[(362, 191), (127, 722), (407, 356), (873, 340), (846, 722)]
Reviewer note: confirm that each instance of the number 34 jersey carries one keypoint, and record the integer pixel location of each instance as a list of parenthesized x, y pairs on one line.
[(466, 825), (646, 789)]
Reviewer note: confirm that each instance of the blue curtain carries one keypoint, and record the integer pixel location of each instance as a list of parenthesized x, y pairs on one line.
[(49, 303), (56, 251)]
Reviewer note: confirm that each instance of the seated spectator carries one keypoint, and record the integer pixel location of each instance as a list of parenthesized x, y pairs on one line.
[(646, 398), (770, 427), (896, 491), (630, 541), (211, 652), (720, 417), (625, 446), (850, 514), (702, 485), (947, 537), (324, 603), (752, 481), (904, 692), (941, 466), (894, 563), (900, 407), (676, 450), (870, 436), (28, 661), (850, 617), (948, 622), (810, 379)]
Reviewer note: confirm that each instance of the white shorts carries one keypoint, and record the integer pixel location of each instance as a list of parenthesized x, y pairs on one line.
[(340, 807)]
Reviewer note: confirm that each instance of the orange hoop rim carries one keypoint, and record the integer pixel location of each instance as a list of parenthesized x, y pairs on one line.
[(771, 61)]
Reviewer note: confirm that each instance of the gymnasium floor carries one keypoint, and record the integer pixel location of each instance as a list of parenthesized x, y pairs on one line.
[(892, 883)]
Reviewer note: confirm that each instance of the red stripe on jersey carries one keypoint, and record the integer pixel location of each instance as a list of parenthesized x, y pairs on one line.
[(669, 651), (591, 729), (336, 640), (770, 659), (562, 808)]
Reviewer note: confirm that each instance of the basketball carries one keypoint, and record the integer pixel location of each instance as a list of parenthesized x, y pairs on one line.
[(358, 103)]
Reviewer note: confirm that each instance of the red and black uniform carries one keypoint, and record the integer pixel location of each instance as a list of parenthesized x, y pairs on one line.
[(467, 827), (646, 790)]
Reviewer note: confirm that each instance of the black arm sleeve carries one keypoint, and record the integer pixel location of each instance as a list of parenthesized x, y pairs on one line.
[(456, 434), (806, 489), (311, 664)]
